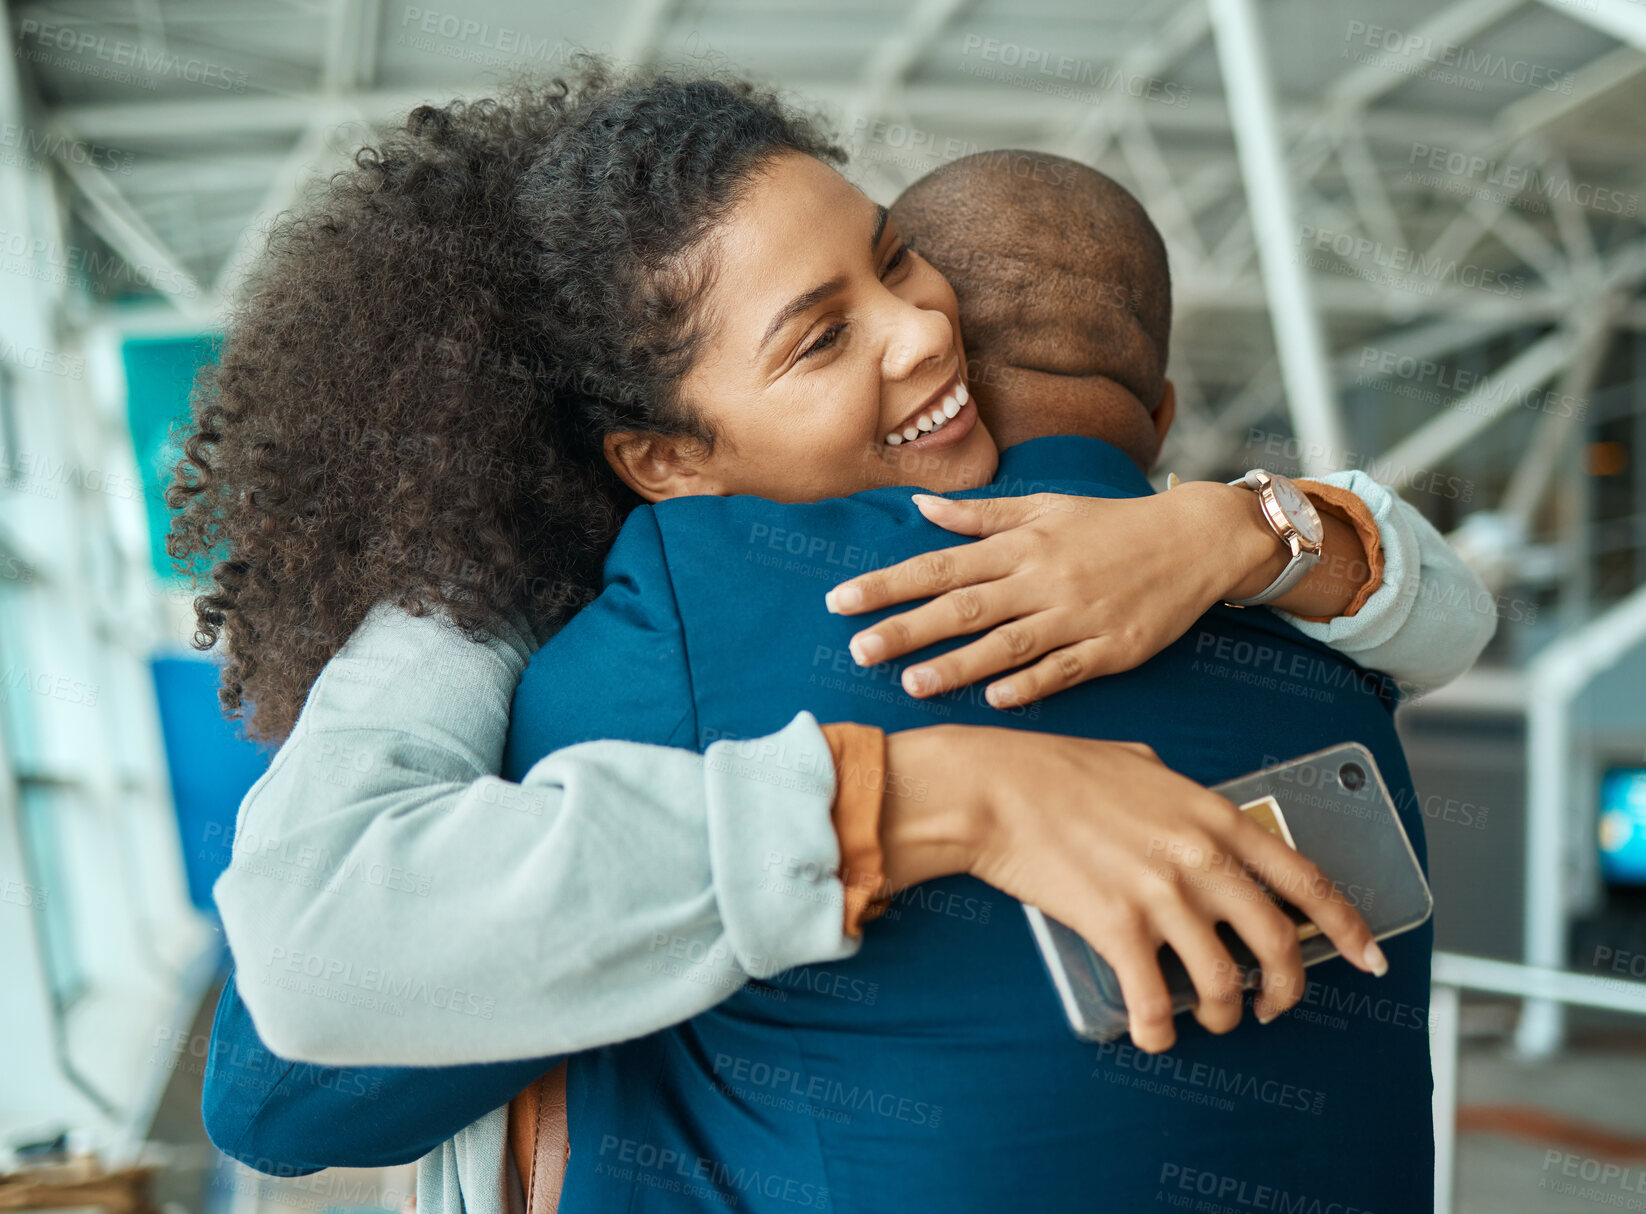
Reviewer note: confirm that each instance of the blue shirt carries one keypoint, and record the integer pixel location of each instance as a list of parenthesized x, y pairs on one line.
[(934, 1070)]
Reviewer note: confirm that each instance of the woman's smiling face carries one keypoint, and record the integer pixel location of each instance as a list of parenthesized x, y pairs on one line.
[(831, 359)]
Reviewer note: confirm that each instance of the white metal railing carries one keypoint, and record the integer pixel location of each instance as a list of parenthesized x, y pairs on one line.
[(1454, 973), (1556, 678)]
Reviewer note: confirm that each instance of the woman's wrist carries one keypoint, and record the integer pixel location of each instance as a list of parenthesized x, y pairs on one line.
[(1236, 536), (1253, 556), (933, 816), (1265, 557)]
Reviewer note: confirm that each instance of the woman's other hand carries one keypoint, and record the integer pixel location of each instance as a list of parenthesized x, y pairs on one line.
[(1106, 839), (1076, 587)]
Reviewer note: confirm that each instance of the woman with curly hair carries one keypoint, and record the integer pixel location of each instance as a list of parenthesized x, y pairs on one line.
[(448, 385)]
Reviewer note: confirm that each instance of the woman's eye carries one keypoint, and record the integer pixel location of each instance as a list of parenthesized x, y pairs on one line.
[(901, 256), (829, 337)]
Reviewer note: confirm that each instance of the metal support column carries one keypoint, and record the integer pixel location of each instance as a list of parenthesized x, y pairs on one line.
[(1299, 337)]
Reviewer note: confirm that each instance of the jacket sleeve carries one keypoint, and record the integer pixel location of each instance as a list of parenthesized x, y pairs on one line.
[(391, 900), (291, 1118), (1432, 616)]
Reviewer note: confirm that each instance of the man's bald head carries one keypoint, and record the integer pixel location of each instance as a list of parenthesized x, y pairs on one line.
[(1058, 269)]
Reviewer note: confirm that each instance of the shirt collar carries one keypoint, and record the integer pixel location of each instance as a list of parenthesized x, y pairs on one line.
[(1068, 457)]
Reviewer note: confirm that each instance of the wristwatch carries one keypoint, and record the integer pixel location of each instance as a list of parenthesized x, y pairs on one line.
[(1295, 521)]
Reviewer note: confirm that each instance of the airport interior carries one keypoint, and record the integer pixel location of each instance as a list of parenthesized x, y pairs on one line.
[(1405, 238)]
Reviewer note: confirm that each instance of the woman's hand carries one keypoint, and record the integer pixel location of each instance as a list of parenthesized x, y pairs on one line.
[(1105, 838), (1088, 586)]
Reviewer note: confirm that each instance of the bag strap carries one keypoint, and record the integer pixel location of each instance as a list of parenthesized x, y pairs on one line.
[(540, 1140)]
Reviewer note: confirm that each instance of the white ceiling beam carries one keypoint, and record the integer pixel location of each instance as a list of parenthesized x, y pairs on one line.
[(895, 57), (178, 12), (242, 115), (959, 105), (1180, 33), (351, 51), (1624, 20), (1498, 394), (251, 69), (1008, 114), (642, 31), (1367, 82), (1547, 451), (1526, 242), (1353, 298), (312, 156), (1161, 196), (1573, 224), (124, 229), (1365, 184), (232, 174), (349, 68), (1590, 82), (1261, 394), (1300, 339)]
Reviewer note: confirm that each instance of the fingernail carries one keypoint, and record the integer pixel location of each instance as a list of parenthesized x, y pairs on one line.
[(1265, 1017), (919, 680), (1375, 960), (924, 499), (843, 598), (1000, 695), (866, 647)]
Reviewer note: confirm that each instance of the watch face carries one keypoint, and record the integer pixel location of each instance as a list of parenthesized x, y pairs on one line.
[(1299, 509)]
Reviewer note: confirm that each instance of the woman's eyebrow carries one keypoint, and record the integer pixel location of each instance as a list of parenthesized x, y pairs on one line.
[(801, 303), (808, 300)]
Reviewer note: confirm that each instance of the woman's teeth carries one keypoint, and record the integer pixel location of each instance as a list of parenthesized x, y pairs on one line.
[(951, 404)]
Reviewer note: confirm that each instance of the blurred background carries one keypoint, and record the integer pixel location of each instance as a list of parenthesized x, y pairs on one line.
[(1406, 237)]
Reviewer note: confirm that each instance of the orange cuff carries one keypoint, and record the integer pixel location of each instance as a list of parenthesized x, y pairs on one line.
[(859, 784), (1349, 508)]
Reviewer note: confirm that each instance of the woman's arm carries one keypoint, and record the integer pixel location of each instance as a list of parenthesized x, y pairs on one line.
[(1100, 835), (391, 900), (1428, 618), (1079, 587)]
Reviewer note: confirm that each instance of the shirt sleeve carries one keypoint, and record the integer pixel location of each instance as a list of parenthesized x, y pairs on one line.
[(1432, 615), (391, 900)]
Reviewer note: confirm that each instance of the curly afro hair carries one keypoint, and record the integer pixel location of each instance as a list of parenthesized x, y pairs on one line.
[(412, 393)]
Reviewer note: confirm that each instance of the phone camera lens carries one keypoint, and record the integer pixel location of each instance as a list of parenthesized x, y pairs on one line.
[(1352, 776)]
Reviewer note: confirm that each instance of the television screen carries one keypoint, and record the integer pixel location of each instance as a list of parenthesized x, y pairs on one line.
[(1623, 826)]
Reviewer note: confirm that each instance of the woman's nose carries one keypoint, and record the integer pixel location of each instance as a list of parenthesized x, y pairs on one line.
[(919, 336)]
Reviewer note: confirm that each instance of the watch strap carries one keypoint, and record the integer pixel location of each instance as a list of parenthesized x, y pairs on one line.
[(1296, 569)]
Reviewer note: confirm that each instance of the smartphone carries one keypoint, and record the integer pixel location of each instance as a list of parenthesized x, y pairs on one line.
[(1333, 807)]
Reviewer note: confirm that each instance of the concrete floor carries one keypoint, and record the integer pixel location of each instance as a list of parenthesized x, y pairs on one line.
[(1602, 1087)]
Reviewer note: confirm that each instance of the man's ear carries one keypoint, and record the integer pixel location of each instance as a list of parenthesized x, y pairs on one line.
[(1164, 414), (659, 466)]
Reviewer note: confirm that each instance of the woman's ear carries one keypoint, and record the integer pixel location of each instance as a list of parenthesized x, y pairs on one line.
[(659, 466)]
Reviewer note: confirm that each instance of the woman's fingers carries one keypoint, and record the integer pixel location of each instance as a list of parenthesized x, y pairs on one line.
[(1272, 937), (1001, 648), (1220, 984), (920, 577), (1135, 960), (957, 613), (1299, 881), (936, 572), (1060, 669), (989, 515)]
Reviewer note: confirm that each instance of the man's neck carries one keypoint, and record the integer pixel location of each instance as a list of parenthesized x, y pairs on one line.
[(1019, 404)]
